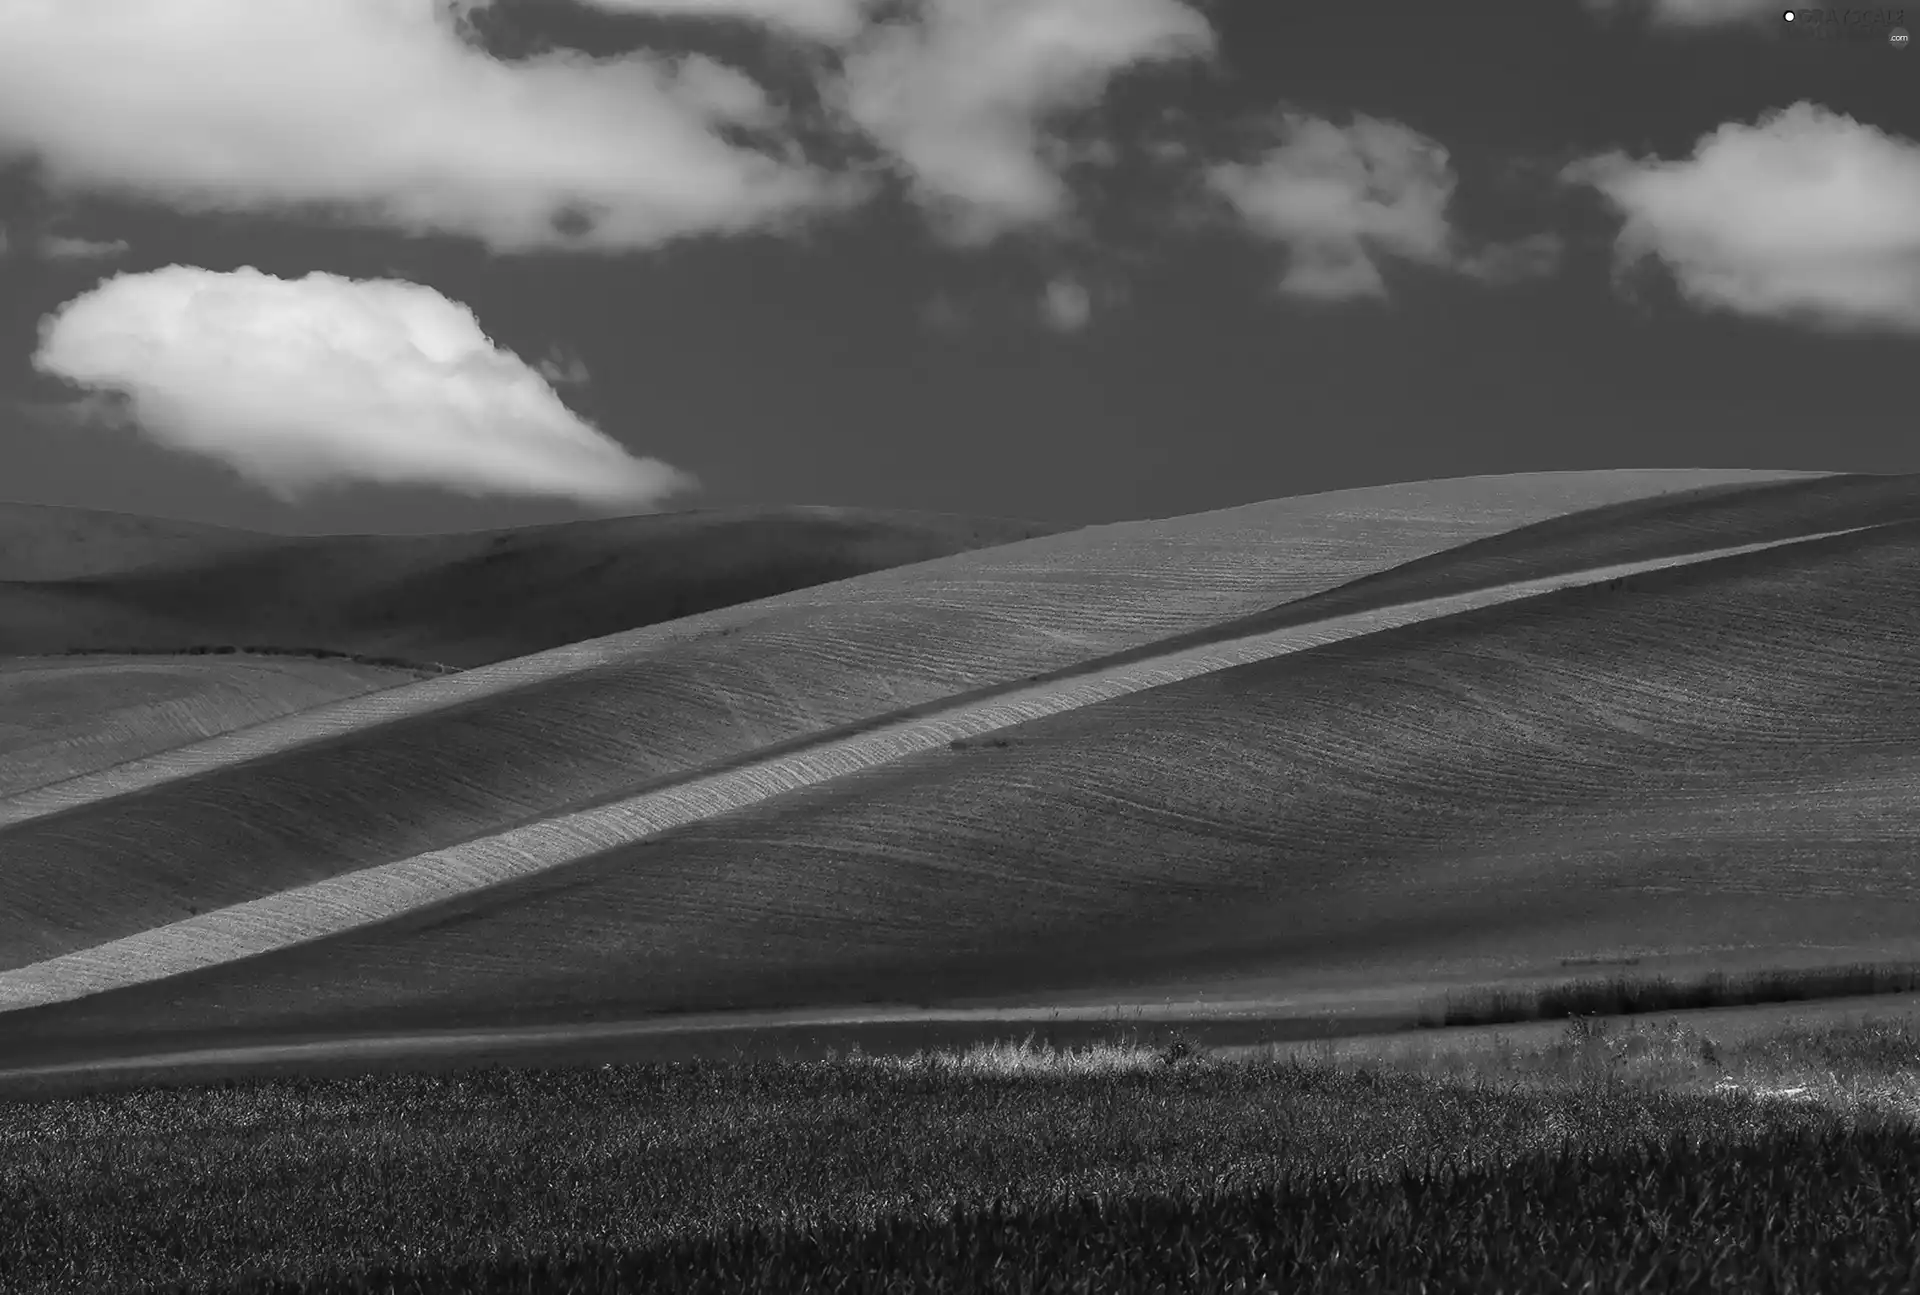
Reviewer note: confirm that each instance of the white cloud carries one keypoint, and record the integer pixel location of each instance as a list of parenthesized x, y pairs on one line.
[(832, 22), (58, 248), (1805, 215), (299, 384), (1699, 13), (1341, 198), (378, 110), (563, 368), (961, 96), (1066, 306), (1532, 257)]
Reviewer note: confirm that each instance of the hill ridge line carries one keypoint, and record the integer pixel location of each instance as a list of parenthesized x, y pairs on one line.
[(388, 890)]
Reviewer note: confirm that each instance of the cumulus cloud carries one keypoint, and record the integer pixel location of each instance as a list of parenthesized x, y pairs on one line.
[(832, 22), (1066, 306), (1804, 215), (300, 384), (387, 113), (378, 110), (960, 93), (1340, 198)]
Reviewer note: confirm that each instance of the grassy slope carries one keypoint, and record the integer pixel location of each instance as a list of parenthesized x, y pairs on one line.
[(1720, 754), (42, 542), (469, 599), (115, 1191), (65, 716), (789, 668), (70, 578)]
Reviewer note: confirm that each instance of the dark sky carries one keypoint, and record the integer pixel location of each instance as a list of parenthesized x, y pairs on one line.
[(870, 363)]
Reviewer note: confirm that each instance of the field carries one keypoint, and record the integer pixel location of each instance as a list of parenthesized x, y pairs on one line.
[(64, 716), (1411, 774), (1616, 1159)]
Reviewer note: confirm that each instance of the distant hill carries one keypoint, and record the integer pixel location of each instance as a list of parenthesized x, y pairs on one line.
[(72, 579), (48, 542)]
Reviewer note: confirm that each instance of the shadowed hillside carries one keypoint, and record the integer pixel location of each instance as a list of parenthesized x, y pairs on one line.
[(460, 600), (1718, 757), (45, 542), (781, 671)]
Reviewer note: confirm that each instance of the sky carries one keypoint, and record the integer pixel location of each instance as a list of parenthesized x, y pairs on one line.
[(391, 266)]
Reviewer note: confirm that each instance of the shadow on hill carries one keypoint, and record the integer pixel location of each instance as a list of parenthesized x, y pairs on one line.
[(470, 599), (1639, 995), (255, 649)]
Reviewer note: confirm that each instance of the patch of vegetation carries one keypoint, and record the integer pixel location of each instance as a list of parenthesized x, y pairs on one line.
[(1744, 1218), (1636, 995), (228, 649), (1005, 1167)]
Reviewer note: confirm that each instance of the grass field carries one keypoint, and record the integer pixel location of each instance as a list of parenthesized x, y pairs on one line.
[(1611, 1157), (1515, 874)]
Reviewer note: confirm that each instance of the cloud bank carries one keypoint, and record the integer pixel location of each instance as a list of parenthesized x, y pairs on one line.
[(382, 112), (1804, 215), (1341, 199), (379, 109), (323, 381)]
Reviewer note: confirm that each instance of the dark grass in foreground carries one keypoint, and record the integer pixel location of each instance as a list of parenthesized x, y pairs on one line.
[(1625, 995), (1005, 1168)]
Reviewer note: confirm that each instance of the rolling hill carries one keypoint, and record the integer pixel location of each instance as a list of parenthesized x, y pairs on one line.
[(459, 600), (612, 711), (73, 581), (1469, 795), (372, 780), (926, 848), (49, 542), (64, 716)]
